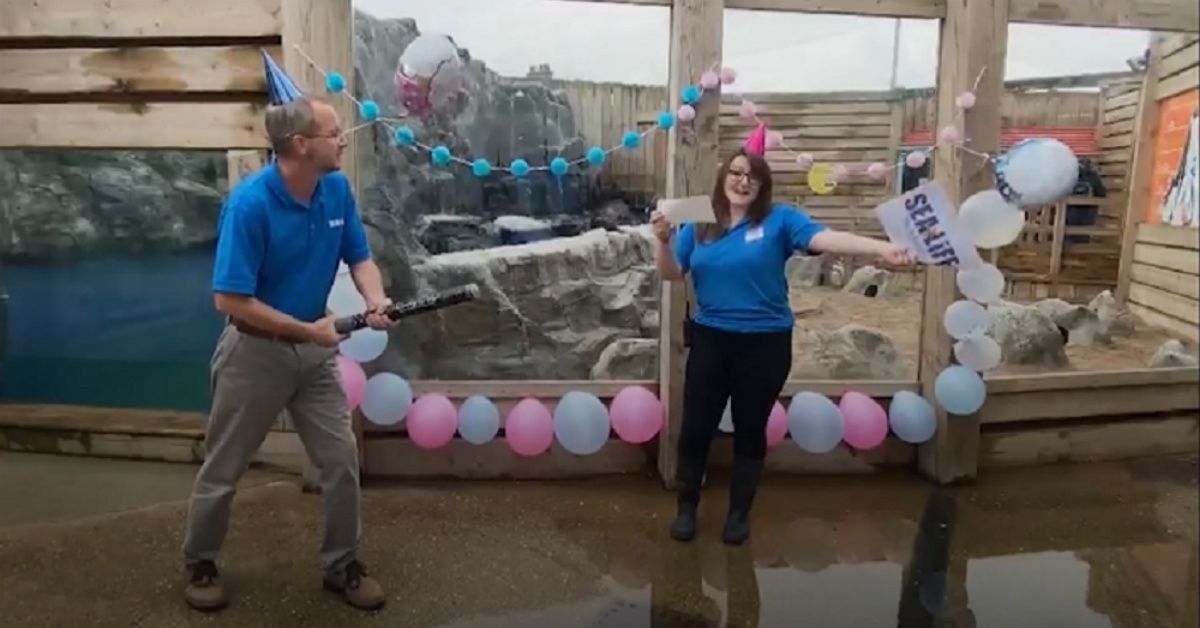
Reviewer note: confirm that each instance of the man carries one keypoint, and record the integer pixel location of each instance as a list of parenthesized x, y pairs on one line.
[(281, 235)]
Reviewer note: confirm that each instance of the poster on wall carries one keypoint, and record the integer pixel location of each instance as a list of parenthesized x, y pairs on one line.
[(1181, 201)]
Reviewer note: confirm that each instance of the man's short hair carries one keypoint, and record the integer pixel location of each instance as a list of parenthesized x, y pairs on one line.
[(292, 118)]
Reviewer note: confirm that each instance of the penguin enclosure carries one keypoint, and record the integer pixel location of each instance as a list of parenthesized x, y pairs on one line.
[(124, 124)]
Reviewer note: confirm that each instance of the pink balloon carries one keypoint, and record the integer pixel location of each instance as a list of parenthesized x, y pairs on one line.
[(728, 75), (529, 427), (709, 80), (915, 159), (865, 422), (432, 421), (686, 113), (353, 380), (777, 425), (637, 414)]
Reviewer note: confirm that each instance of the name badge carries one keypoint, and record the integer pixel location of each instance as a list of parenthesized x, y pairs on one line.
[(754, 233)]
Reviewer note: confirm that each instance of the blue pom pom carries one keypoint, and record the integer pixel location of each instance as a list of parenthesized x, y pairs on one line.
[(559, 166), (691, 94), (481, 168), (405, 136), (441, 156), (520, 168), (595, 156), (369, 110), (631, 139), (666, 119), (335, 82)]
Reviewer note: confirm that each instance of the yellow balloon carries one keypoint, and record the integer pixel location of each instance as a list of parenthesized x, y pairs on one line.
[(820, 178)]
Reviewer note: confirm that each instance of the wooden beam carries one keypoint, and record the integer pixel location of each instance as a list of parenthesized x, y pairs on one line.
[(974, 43), (1083, 402), (1009, 384), (1113, 440), (1180, 260), (26, 74), (400, 457), (696, 33), (139, 18), (160, 125), (1141, 173), (1167, 15), (876, 8), (1056, 241), (1176, 282), (1169, 235), (1158, 319)]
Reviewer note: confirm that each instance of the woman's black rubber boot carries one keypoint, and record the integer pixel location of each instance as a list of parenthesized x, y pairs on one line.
[(742, 487), (688, 476)]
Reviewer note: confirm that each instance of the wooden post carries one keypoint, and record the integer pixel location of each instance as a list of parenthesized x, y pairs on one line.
[(324, 31), (1141, 161), (974, 42), (696, 30), (1056, 245)]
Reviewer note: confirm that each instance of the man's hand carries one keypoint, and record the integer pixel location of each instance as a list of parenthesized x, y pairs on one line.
[(376, 319), (323, 333), (894, 256)]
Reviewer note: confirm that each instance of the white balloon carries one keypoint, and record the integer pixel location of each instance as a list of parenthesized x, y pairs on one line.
[(964, 318), (990, 221), (1037, 171), (344, 298), (978, 353), (726, 424), (984, 284), (364, 345), (386, 399)]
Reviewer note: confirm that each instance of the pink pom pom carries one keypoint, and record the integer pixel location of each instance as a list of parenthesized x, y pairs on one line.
[(686, 113), (877, 170), (804, 160), (709, 80), (965, 100), (728, 75), (915, 160), (774, 139), (839, 173), (949, 134), (747, 110)]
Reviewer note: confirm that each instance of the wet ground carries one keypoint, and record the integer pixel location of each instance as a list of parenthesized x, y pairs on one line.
[(96, 543)]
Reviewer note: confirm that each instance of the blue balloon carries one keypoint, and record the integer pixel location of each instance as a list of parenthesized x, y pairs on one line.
[(478, 420), (691, 94), (559, 166), (386, 399), (814, 422), (335, 82), (631, 139), (369, 110), (666, 119), (519, 167), (581, 423), (595, 156), (911, 418), (440, 156), (405, 136), (481, 168), (959, 390)]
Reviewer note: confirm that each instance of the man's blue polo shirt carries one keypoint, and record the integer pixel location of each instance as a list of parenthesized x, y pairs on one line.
[(285, 253), (739, 277)]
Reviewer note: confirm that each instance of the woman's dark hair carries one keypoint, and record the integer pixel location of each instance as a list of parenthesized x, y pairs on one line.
[(759, 208)]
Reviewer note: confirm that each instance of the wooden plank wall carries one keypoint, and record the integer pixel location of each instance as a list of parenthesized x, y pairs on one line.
[(135, 73), (1018, 109), (1165, 278)]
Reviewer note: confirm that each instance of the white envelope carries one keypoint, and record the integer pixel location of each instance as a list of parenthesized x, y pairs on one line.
[(690, 209)]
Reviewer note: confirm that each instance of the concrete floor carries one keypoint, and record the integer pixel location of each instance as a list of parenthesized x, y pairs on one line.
[(87, 542)]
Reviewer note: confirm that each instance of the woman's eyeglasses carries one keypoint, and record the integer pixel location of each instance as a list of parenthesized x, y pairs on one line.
[(742, 174)]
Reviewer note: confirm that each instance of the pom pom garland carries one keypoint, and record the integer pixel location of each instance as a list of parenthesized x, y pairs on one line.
[(686, 113), (519, 168), (710, 80), (335, 82), (559, 166), (440, 156), (481, 168), (965, 100), (405, 136), (631, 139), (915, 159), (666, 120), (595, 156), (369, 110)]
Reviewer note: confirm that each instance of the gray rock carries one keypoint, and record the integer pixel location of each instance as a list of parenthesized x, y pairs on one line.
[(869, 281), (1027, 335), (804, 271), (1172, 353), (547, 309), (1083, 325), (628, 358), (1115, 318), (851, 352)]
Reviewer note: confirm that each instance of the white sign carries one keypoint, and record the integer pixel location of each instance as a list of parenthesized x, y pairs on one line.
[(923, 222), (691, 209)]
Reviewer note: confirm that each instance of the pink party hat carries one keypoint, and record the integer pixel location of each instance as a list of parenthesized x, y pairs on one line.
[(756, 144)]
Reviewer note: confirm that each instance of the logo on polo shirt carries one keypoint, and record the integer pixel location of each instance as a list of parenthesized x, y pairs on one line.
[(336, 222)]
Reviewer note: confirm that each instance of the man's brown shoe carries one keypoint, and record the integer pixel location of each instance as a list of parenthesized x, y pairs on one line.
[(360, 590), (204, 591)]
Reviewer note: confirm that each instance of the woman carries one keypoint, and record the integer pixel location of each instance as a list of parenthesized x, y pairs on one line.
[(741, 340)]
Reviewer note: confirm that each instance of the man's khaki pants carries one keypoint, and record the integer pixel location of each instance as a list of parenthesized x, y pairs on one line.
[(253, 380)]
